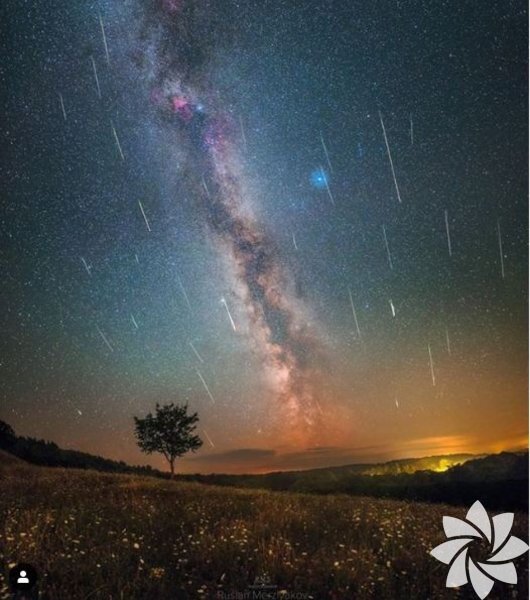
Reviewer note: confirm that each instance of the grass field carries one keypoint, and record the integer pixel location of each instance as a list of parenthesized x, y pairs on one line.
[(93, 535)]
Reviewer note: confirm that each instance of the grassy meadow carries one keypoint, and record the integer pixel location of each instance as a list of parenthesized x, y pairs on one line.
[(100, 536)]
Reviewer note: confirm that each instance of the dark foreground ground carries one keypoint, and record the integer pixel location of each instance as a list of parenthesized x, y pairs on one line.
[(101, 536)]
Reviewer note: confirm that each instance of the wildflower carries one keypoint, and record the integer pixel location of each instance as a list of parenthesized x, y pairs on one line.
[(157, 572)]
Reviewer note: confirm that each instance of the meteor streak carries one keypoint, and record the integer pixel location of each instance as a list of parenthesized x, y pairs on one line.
[(61, 101), (104, 39), (501, 253), (354, 313), (223, 301), (116, 139), (183, 290), (244, 137), (448, 342), (330, 195), (104, 338), (294, 242), (431, 365), (326, 152), (208, 438), (387, 248), (206, 188), (87, 267), (195, 351), (390, 157), (448, 234), (145, 218), (96, 76), (205, 386)]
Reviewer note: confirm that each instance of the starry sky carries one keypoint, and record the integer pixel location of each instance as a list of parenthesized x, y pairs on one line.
[(305, 219)]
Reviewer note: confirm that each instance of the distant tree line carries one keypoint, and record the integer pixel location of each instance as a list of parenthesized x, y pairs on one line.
[(500, 481), (49, 454)]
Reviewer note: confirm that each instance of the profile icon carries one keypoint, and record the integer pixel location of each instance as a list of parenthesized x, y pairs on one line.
[(22, 577)]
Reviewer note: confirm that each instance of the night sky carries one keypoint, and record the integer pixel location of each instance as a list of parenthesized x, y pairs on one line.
[(305, 219)]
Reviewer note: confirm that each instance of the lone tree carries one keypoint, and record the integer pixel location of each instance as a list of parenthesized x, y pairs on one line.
[(169, 431)]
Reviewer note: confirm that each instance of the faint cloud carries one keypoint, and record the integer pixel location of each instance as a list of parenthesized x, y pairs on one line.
[(235, 457), (265, 460)]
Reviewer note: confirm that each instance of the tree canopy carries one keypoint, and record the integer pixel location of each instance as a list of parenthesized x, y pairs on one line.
[(170, 431)]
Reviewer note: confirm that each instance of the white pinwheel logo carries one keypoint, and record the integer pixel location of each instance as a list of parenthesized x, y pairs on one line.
[(502, 549)]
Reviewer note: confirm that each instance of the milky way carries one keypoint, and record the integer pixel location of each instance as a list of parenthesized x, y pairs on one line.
[(180, 39)]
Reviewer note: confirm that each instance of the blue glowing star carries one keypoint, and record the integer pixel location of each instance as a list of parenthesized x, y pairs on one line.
[(319, 178)]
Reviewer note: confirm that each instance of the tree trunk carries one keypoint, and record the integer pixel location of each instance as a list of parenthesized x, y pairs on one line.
[(172, 467)]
